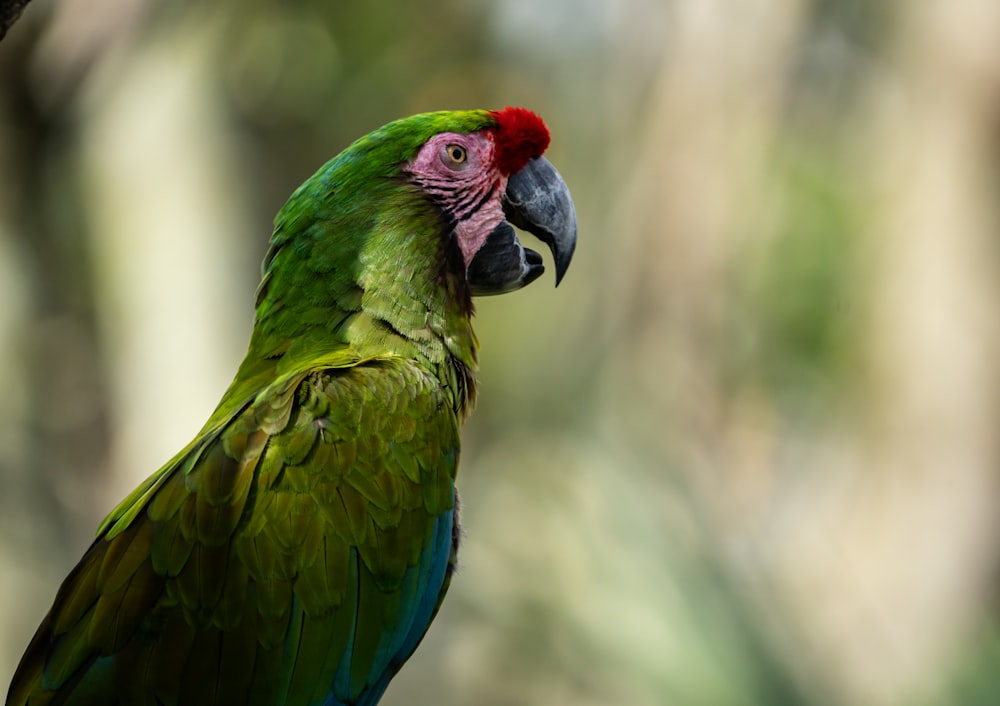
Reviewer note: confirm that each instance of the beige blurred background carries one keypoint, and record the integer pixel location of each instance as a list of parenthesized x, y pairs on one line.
[(745, 454)]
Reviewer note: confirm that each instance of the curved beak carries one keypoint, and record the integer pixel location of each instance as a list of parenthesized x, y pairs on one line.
[(538, 201)]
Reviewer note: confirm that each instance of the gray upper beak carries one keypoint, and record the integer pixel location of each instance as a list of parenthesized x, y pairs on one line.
[(538, 201)]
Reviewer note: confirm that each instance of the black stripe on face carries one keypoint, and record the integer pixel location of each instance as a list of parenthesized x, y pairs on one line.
[(463, 208), (457, 201), (482, 202)]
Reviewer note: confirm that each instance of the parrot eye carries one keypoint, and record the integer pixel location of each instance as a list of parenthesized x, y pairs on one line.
[(455, 155)]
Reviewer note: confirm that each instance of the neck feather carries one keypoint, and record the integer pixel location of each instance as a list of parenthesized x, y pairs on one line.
[(399, 290)]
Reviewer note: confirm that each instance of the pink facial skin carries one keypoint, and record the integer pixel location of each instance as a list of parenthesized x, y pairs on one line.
[(469, 188)]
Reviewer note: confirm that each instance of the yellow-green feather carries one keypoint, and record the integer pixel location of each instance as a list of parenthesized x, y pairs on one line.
[(305, 560), (297, 548)]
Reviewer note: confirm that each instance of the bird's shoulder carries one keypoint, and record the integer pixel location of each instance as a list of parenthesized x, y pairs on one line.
[(315, 416)]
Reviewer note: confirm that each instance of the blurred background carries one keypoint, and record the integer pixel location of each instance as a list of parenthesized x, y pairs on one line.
[(747, 453)]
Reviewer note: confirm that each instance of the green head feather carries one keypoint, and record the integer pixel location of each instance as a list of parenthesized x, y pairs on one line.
[(357, 261)]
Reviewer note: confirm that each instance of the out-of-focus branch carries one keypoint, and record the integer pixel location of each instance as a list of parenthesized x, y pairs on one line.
[(10, 10)]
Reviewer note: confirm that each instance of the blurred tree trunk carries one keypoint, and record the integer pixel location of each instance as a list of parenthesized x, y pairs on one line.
[(53, 426), (166, 205), (125, 279), (924, 549), (698, 198)]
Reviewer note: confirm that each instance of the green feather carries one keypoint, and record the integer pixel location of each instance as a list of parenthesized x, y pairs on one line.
[(278, 553)]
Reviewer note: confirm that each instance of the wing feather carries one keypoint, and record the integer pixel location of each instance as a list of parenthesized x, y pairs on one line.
[(295, 553)]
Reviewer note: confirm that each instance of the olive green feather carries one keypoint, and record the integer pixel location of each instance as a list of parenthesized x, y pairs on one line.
[(301, 516)]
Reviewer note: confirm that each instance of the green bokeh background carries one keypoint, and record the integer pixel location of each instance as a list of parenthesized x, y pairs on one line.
[(745, 454)]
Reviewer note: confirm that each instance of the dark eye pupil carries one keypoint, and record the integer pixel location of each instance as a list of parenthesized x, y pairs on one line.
[(457, 154)]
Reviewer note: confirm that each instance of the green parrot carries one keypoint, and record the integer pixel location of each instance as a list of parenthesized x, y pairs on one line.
[(297, 550)]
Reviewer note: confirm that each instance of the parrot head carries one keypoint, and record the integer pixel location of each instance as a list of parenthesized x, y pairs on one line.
[(487, 180), (385, 246)]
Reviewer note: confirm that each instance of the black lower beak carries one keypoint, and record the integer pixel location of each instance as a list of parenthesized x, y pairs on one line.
[(538, 201), (501, 265)]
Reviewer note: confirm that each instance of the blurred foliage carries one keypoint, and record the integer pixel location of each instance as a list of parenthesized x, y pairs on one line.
[(743, 455), (796, 327)]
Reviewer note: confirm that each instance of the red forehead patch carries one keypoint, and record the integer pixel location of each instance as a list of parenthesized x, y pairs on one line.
[(520, 137)]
